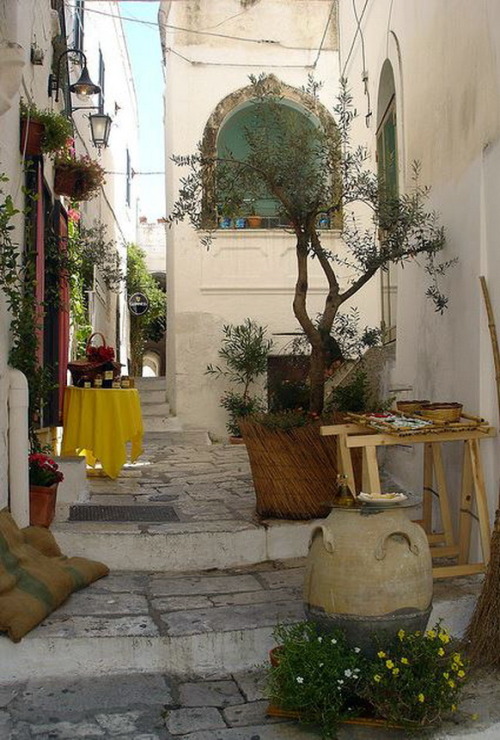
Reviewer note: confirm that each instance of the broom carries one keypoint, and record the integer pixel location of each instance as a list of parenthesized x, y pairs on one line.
[(483, 633)]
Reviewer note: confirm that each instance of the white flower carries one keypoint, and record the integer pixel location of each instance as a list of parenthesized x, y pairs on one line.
[(321, 665), (320, 639), (340, 681), (348, 673), (299, 679), (357, 650), (333, 641)]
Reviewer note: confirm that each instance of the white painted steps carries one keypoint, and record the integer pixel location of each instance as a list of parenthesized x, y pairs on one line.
[(155, 408)]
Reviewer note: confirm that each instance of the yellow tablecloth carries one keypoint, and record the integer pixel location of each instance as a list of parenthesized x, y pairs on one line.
[(99, 422)]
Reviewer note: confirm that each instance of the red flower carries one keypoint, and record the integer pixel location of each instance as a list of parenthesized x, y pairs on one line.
[(43, 471), (100, 354)]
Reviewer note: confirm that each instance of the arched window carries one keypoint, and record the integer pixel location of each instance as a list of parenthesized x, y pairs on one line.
[(253, 206), (234, 124), (387, 166)]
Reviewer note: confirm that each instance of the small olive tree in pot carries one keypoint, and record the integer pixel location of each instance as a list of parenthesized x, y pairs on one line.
[(244, 350)]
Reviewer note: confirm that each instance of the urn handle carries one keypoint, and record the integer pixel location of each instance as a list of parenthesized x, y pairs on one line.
[(381, 548), (328, 542)]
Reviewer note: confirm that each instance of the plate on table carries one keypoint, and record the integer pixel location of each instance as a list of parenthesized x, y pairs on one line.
[(382, 499)]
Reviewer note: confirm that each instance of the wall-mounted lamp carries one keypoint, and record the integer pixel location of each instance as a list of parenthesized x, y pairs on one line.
[(100, 123), (100, 127), (83, 87)]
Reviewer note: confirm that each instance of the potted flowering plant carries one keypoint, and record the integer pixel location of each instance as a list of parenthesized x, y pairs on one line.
[(42, 131), (413, 681), (44, 478), (77, 177)]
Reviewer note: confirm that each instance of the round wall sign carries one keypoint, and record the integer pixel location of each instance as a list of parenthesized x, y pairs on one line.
[(138, 304)]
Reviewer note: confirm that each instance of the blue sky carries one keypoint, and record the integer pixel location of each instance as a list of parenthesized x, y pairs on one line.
[(143, 42)]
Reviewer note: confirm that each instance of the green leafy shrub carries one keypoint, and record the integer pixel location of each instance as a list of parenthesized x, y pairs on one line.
[(244, 350), (238, 405)]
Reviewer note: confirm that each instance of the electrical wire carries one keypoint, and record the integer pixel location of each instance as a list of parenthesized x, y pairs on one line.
[(363, 61), (324, 33), (170, 27), (354, 39)]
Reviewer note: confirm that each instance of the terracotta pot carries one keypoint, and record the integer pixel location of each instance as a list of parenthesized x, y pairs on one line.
[(254, 222), (43, 505), (67, 181), (31, 137), (236, 441)]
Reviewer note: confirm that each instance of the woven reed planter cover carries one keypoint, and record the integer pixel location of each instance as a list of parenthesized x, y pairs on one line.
[(294, 471)]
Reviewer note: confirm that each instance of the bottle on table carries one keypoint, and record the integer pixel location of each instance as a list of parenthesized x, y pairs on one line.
[(344, 496), (98, 381)]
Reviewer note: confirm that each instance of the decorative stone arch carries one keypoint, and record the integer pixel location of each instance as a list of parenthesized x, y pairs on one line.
[(230, 104)]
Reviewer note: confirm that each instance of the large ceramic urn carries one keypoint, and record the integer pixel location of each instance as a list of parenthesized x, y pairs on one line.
[(369, 571)]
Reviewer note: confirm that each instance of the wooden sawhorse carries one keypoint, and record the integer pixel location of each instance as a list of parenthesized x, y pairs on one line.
[(473, 491)]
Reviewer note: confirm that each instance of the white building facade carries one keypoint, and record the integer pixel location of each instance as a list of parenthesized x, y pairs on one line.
[(433, 69), (246, 272), (33, 36)]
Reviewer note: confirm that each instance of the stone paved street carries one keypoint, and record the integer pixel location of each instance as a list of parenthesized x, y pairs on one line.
[(158, 655)]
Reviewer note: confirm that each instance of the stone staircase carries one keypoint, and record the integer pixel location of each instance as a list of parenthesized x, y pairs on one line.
[(155, 408)]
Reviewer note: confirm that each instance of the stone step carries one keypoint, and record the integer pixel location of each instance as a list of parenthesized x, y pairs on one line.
[(161, 423), (151, 384), (181, 546), (187, 624), (149, 397), (162, 410)]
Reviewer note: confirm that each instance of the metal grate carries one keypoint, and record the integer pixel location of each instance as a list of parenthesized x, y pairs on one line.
[(89, 513)]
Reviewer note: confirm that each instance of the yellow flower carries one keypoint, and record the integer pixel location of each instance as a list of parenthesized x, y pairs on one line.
[(389, 664), (453, 707), (446, 675), (421, 698), (381, 654), (461, 674), (431, 634), (377, 678), (457, 659), (405, 661), (440, 651), (401, 634), (451, 683), (474, 716), (395, 671), (444, 637)]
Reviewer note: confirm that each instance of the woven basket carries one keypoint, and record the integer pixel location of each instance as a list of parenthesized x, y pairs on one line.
[(442, 411), (89, 368), (409, 407), (294, 471)]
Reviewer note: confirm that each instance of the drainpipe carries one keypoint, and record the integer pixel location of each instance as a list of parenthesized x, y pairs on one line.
[(18, 448)]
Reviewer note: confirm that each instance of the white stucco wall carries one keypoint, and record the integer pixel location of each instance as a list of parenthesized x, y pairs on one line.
[(151, 236), (248, 273), (446, 61)]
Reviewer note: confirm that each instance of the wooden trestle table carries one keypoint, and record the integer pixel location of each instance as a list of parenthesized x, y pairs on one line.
[(473, 504)]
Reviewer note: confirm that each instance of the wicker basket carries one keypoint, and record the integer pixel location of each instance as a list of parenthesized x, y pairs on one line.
[(294, 471), (442, 411), (91, 368), (409, 407)]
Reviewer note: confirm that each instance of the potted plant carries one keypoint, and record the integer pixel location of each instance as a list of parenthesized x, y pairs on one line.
[(314, 171), (79, 178), (42, 131), (413, 682), (244, 351), (44, 478)]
